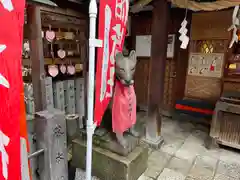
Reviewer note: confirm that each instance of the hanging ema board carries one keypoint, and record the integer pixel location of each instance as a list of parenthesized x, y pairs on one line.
[(206, 65), (143, 45)]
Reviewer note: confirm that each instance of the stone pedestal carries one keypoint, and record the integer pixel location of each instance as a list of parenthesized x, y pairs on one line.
[(69, 95), (49, 92), (80, 101), (110, 166), (58, 95), (50, 126)]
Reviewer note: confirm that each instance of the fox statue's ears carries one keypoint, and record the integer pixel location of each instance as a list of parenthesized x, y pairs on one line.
[(132, 55), (119, 56)]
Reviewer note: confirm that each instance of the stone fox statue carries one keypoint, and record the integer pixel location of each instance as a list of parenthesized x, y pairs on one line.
[(122, 118)]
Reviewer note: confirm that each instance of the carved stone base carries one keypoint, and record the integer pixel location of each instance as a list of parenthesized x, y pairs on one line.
[(166, 113), (108, 165), (211, 143), (107, 140), (153, 136), (152, 143)]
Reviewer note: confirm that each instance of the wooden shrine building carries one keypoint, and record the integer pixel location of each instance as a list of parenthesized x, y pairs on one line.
[(193, 80), (201, 80)]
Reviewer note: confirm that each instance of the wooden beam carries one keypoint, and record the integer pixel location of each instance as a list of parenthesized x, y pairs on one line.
[(139, 6), (65, 12), (43, 2), (36, 57), (160, 18)]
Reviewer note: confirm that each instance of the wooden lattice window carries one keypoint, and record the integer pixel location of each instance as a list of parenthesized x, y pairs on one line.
[(208, 46)]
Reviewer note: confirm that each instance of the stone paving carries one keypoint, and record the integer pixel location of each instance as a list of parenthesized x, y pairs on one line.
[(183, 156)]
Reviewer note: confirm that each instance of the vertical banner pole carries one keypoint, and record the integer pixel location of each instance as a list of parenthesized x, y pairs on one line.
[(93, 43), (112, 28)]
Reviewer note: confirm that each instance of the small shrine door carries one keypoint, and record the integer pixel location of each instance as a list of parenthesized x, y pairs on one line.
[(175, 78), (170, 86)]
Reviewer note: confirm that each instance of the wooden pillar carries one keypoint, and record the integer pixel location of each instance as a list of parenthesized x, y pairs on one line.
[(160, 18), (50, 123), (36, 57), (38, 72)]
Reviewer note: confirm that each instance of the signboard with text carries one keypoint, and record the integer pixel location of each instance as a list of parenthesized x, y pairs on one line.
[(113, 17), (11, 87)]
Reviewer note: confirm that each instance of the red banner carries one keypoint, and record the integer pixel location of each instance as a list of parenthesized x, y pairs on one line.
[(113, 16), (11, 86)]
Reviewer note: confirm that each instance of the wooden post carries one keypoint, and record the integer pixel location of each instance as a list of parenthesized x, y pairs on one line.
[(36, 57), (157, 71), (37, 64)]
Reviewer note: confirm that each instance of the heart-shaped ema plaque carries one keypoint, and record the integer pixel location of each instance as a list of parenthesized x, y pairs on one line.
[(53, 70), (63, 69), (61, 53), (50, 35), (71, 70)]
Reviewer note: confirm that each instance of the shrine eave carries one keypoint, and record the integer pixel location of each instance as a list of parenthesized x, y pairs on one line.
[(43, 2)]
